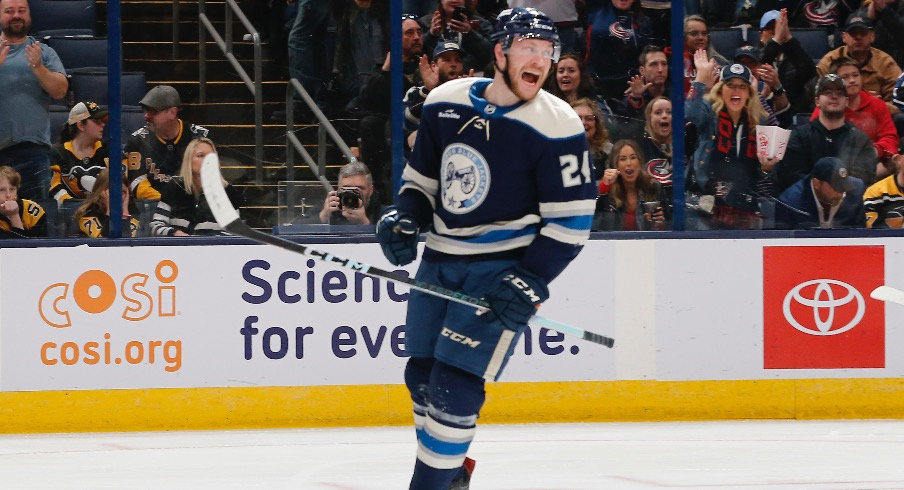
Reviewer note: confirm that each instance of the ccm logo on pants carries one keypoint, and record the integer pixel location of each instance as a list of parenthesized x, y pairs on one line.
[(461, 339)]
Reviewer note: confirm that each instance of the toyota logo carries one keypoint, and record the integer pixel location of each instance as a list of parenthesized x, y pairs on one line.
[(824, 299)]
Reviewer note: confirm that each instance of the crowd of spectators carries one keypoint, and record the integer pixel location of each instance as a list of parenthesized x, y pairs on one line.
[(614, 70)]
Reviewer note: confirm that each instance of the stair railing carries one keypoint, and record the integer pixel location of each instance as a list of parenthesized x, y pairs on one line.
[(255, 86), (293, 144)]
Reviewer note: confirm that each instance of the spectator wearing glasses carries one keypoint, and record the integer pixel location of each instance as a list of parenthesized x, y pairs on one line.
[(793, 65), (878, 70), (827, 198), (81, 155), (696, 37), (829, 135), (154, 152)]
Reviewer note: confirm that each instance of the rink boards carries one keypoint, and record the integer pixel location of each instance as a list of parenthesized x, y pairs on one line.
[(231, 335)]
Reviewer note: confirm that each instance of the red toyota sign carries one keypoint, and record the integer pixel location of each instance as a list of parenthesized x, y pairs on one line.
[(817, 313)]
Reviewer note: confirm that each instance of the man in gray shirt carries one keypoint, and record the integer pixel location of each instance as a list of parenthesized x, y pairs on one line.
[(31, 74)]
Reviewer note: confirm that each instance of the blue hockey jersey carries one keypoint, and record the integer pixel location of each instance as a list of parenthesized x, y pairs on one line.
[(500, 180)]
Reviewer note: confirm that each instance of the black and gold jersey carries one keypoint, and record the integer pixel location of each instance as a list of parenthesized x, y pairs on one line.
[(94, 225), (884, 204), (32, 216), (152, 161), (73, 177)]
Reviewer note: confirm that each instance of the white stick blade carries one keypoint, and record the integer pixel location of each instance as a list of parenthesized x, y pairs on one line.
[(890, 294), (215, 193)]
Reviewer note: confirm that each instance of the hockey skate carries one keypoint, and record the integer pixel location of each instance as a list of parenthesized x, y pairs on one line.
[(463, 480)]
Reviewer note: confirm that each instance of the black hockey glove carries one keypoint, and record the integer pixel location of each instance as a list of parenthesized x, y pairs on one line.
[(516, 298), (397, 233)]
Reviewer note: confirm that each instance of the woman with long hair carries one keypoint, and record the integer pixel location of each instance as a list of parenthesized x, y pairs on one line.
[(183, 210), (93, 216), (595, 130), (657, 143), (629, 198), (80, 156), (726, 162), (696, 37), (572, 80)]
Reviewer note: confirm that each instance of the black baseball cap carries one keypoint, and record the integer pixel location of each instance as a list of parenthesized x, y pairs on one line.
[(832, 170)]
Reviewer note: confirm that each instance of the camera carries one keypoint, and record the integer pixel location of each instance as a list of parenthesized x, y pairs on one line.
[(459, 13), (349, 197)]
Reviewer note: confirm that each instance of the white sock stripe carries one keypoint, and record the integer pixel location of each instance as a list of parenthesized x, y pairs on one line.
[(419, 421), (434, 460), (449, 419), (448, 434), (495, 365)]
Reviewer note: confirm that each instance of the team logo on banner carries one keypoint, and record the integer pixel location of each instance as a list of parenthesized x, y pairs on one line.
[(817, 313)]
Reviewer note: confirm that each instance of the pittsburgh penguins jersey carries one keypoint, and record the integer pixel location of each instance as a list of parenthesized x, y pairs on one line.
[(32, 216), (152, 161), (95, 225), (73, 177), (884, 204), (507, 181)]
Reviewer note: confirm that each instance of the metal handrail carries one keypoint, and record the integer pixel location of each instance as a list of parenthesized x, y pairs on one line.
[(255, 86), (292, 142)]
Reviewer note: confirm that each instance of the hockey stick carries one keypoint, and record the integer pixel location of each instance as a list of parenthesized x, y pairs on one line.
[(890, 294), (229, 219)]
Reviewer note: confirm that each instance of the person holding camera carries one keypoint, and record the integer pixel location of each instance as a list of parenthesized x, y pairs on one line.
[(459, 22), (352, 203)]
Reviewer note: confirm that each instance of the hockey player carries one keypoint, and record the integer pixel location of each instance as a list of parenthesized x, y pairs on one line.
[(500, 176), (154, 152)]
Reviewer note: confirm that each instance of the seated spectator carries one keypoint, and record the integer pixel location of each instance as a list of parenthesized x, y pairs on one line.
[(93, 216), (657, 145), (877, 69), (726, 162), (887, 17), (19, 218), (769, 86), (629, 198), (183, 210), (572, 81), (353, 202), (446, 65), (154, 152), (795, 69), (884, 200), (696, 37), (563, 12), (81, 155), (827, 198), (618, 31), (597, 136), (829, 135), (465, 27), (868, 113)]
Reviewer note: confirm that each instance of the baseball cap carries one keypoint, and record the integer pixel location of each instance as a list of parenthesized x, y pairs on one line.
[(444, 46), (830, 81), (161, 97), (86, 110), (831, 170), (855, 21), (748, 50), (736, 70), (769, 17)]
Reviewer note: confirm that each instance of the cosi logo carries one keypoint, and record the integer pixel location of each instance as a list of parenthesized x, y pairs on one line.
[(95, 291)]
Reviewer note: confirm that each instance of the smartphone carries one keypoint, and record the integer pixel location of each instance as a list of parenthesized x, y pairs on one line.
[(459, 13)]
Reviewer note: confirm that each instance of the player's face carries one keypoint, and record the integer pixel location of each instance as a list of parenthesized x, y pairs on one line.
[(157, 119), (568, 75), (448, 66), (15, 18), (588, 119), (197, 156), (735, 93), (661, 118), (851, 76), (628, 164), (656, 68), (8, 192), (696, 37), (360, 182), (528, 64)]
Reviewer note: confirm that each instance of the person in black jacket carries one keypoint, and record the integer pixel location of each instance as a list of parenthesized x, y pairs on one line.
[(795, 67), (829, 135)]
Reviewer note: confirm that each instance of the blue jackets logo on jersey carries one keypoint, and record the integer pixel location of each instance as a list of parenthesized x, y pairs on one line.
[(465, 178)]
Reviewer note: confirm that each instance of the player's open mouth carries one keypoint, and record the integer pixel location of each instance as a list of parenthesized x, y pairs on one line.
[(530, 78)]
